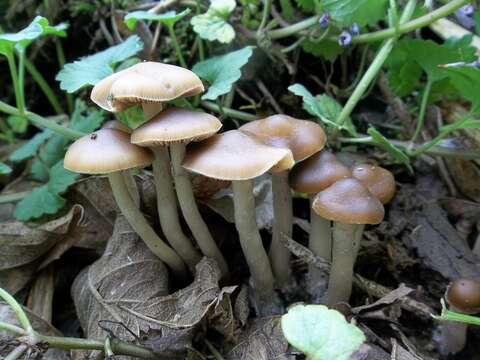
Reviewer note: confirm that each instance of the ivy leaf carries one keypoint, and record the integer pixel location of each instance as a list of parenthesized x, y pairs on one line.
[(91, 69), (383, 142), (60, 178), (37, 203), (467, 82), (4, 168), (213, 24), (30, 148), (361, 12), (222, 71), (321, 333), (168, 18), (327, 49)]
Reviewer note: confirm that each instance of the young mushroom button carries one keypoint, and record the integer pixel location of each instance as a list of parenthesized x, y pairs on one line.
[(148, 84), (175, 128), (109, 151), (240, 158), (348, 203), (303, 138), (379, 181)]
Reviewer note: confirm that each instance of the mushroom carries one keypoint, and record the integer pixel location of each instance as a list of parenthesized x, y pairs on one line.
[(175, 128), (462, 296), (380, 182), (240, 158), (116, 125), (311, 176), (109, 151), (303, 138), (348, 203), (148, 84)]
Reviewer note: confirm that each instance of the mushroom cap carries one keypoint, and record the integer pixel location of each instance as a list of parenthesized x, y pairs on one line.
[(303, 137), (116, 125), (205, 187), (105, 151), (464, 296), (176, 125), (379, 181), (349, 201), (145, 82), (234, 155), (317, 173)]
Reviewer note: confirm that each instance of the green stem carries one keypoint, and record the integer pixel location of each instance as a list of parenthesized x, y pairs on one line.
[(380, 35), (423, 110), (17, 352), (21, 77), (448, 315), (8, 198), (265, 15), (19, 312), (16, 87), (42, 83), (176, 45), (61, 63), (240, 115)]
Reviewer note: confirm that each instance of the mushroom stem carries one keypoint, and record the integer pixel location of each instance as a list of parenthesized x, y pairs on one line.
[(252, 247), (190, 211), (343, 260), (320, 242), (150, 109), (141, 226), (131, 186), (167, 208), (357, 240), (453, 335), (283, 219)]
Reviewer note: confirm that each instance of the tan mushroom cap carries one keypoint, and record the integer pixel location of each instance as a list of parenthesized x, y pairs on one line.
[(464, 296), (176, 125), (317, 173), (234, 155), (379, 181), (116, 125), (349, 201), (145, 82), (304, 138), (105, 151)]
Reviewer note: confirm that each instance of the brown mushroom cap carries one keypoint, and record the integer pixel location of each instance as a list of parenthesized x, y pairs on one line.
[(379, 181), (464, 296), (105, 151), (116, 125), (349, 201), (145, 82), (317, 173), (205, 187), (304, 138), (234, 155), (176, 125)]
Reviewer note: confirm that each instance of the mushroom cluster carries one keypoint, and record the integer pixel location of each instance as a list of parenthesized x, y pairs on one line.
[(181, 143)]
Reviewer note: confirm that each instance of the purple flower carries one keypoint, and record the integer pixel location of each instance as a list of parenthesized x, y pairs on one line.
[(345, 38), (355, 29), (464, 16), (324, 20)]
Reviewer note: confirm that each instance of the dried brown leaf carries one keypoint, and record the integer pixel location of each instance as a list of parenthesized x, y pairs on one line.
[(389, 299)]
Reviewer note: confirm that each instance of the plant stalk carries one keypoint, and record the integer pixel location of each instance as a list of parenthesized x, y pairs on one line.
[(141, 226), (16, 86), (188, 205), (240, 115), (167, 208), (178, 50), (423, 110)]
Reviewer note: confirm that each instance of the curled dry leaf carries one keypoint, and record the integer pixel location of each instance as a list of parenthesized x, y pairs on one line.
[(129, 285)]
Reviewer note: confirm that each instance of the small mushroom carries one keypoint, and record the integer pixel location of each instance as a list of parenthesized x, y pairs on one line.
[(310, 177), (348, 203), (148, 84), (462, 296), (174, 128), (240, 158), (109, 151), (303, 138)]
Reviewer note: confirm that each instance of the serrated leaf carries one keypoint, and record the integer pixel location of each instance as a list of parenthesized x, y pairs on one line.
[(60, 178), (4, 168), (222, 71), (467, 82), (327, 49), (405, 78), (213, 24), (91, 69), (31, 147), (37, 203), (168, 18), (361, 12), (382, 141), (321, 333)]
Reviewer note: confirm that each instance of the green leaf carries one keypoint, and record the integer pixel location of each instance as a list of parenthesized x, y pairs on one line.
[(222, 71), (477, 22), (361, 12), (327, 49), (383, 142), (60, 178), (4, 168), (17, 123), (132, 117), (91, 69), (37, 203), (307, 5), (467, 82), (213, 24), (405, 78), (321, 333), (168, 18), (30, 148)]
